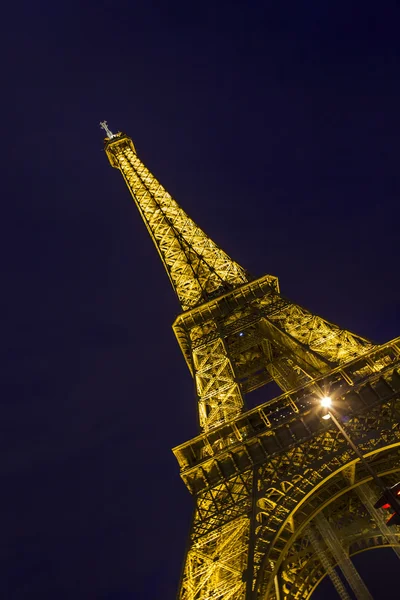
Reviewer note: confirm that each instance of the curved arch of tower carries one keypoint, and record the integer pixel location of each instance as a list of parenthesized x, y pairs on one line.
[(280, 498)]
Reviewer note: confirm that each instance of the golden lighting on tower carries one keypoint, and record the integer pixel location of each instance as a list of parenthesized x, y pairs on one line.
[(258, 476)]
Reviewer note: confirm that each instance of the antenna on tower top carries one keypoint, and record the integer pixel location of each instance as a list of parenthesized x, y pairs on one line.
[(104, 125)]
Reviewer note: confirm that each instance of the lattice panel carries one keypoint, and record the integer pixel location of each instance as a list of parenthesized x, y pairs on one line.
[(216, 564), (220, 504), (315, 334), (219, 396)]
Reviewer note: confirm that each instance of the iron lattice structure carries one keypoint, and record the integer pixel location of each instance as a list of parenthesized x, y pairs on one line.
[(261, 477)]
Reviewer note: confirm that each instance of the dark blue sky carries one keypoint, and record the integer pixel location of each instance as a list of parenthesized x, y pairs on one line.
[(278, 130)]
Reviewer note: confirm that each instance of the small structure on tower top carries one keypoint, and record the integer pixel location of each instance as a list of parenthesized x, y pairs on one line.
[(104, 125)]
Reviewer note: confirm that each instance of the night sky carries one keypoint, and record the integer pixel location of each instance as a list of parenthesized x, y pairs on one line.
[(278, 131)]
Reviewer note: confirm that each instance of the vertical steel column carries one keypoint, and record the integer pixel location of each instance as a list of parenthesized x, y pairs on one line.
[(348, 569), (368, 498), (326, 563)]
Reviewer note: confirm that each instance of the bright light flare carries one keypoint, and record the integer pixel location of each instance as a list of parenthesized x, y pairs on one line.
[(326, 402)]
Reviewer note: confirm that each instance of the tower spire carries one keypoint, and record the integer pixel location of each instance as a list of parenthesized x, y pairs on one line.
[(198, 269)]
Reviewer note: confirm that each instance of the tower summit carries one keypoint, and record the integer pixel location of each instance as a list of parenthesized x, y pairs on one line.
[(261, 477)]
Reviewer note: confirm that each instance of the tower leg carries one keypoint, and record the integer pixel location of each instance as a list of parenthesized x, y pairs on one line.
[(216, 563), (348, 569), (326, 563)]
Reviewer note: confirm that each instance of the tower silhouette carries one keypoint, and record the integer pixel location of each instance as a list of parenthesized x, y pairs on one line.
[(280, 497)]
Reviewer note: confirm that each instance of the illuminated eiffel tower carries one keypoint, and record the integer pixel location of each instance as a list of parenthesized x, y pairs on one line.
[(280, 497)]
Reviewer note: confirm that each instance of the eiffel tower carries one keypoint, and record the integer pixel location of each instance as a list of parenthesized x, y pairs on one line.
[(281, 500)]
